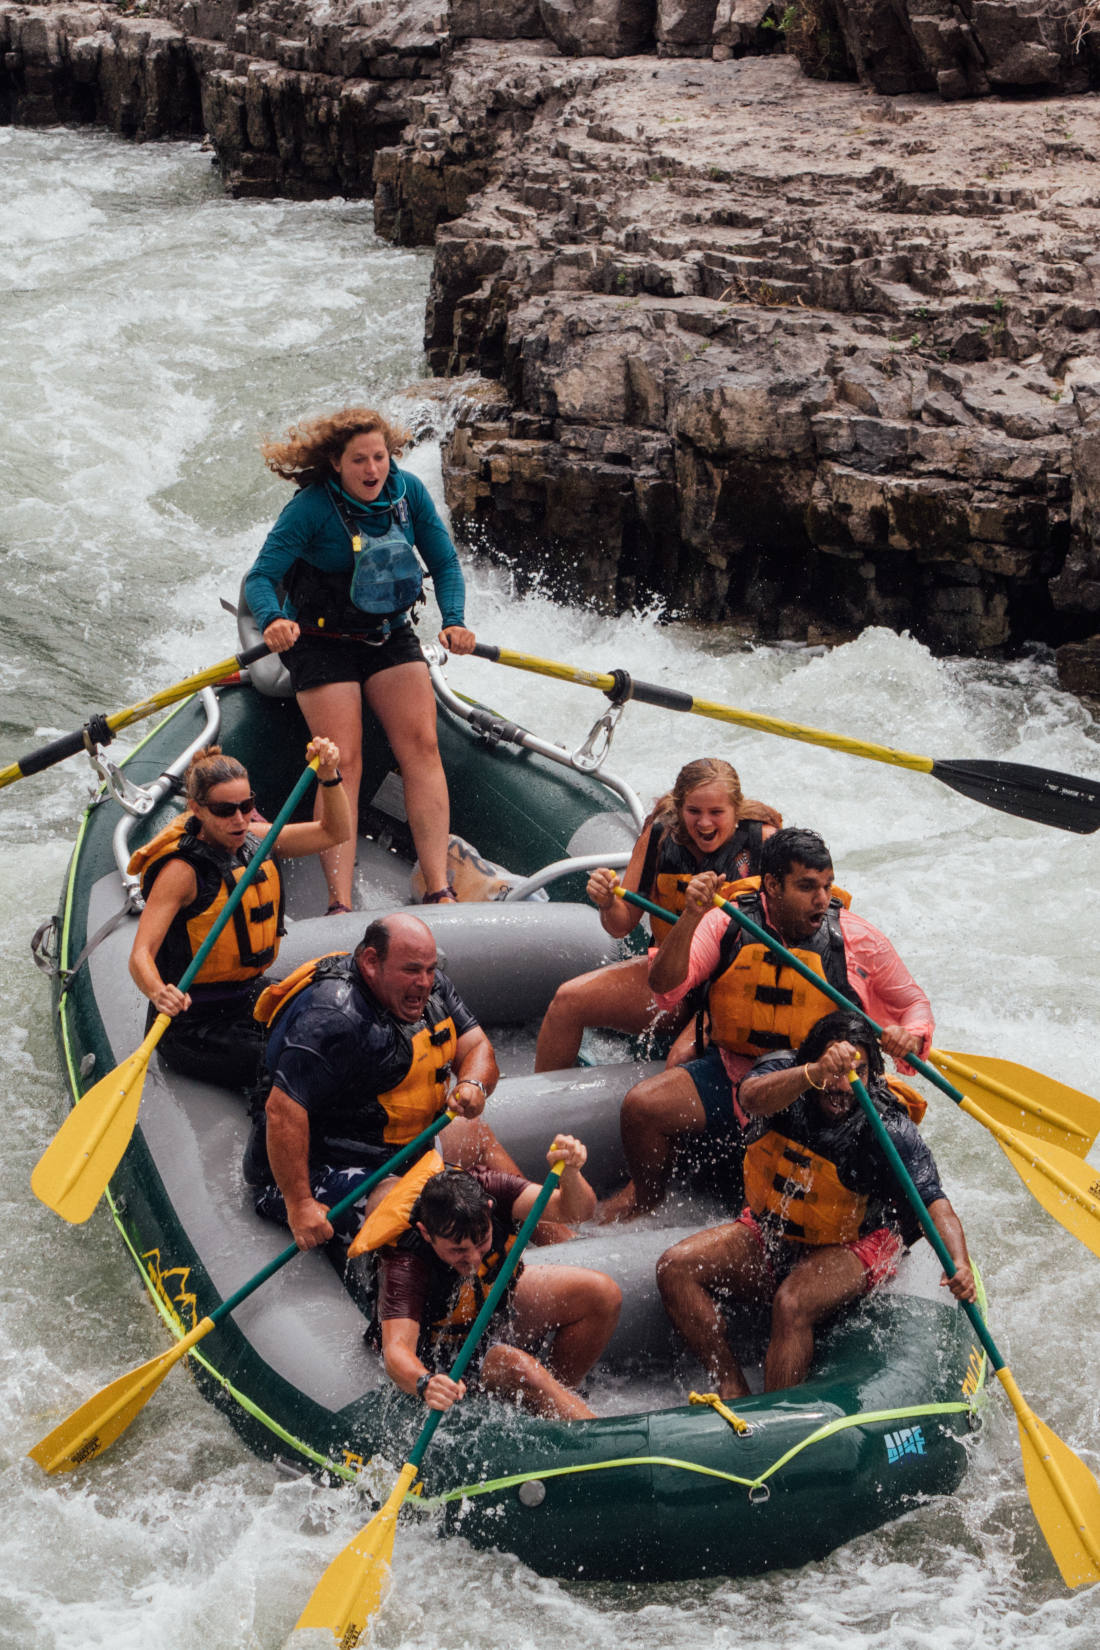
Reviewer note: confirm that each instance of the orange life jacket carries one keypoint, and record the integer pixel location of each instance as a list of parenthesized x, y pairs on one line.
[(250, 942), (756, 1002), (669, 867)]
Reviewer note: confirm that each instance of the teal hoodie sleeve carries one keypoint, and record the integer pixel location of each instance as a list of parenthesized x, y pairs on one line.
[(289, 540)]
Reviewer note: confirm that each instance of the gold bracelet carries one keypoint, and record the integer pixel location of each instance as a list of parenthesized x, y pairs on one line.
[(810, 1081)]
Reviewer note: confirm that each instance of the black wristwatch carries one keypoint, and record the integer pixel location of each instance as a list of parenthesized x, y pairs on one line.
[(422, 1383), (329, 783)]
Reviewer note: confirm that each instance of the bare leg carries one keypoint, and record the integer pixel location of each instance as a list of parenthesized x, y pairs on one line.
[(727, 1258), (580, 1306), (509, 1372), (404, 703), (818, 1286), (335, 711), (655, 1113), (617, 997)]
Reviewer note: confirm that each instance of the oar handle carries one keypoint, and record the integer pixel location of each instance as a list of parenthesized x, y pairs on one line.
[(816, 980), (489, 1306), (916, 1203), (253, 866), (360, 1189)]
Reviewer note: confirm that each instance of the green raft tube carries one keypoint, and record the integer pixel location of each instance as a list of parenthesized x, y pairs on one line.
[(656, 1488)]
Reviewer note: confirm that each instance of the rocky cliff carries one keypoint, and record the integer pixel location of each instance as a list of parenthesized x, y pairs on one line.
[(800, 353)]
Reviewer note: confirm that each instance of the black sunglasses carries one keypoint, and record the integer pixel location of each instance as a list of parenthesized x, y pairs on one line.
[(226, 810)]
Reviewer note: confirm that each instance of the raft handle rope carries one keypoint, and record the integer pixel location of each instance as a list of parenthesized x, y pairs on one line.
[(742, 1428)]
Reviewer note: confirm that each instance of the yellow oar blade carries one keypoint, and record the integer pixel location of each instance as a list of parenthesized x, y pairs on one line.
[(90, 1430), (1024, 1099), (1068, 1189), (1065, 1496), (72, 1174), (358, 1579)]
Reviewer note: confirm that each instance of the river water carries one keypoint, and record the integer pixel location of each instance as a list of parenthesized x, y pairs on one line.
[(152, 331)]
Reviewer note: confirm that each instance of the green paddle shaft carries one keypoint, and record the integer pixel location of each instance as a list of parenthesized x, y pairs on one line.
[(367, 1184), (928, 1225), (492, 1300), (800, 967), (253, 866)]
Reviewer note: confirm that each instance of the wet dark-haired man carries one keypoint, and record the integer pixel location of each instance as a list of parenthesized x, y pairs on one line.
[(433, 1280), (755, 1004), (825, 1219), (363, 1052)]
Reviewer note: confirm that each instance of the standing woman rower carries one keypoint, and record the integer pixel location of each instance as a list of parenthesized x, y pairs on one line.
[(344, 551), (188, 872), (703, 824)]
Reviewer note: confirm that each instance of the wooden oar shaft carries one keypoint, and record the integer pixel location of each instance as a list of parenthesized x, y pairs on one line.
[(70, 744)]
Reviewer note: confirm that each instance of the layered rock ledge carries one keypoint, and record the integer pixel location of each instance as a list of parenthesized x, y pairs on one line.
[(789, 353)]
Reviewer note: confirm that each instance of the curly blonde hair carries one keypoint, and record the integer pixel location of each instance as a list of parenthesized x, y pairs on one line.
[(310, 451), (708, 770)]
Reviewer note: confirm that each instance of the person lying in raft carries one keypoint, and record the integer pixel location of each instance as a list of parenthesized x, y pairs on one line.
[(702, 824), (433, 1278), (335, 589), (362, 1052), (825, 1221), (755, 1004), (187, 873)]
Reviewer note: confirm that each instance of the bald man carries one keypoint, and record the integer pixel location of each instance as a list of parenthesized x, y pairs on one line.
[(361, 1060)]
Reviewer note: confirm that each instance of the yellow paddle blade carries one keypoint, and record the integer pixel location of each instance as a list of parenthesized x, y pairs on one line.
[(356, 1582), (89, 1430), (1068, 1189), (72, 1174), (1065, 1496), (1024, 1099)]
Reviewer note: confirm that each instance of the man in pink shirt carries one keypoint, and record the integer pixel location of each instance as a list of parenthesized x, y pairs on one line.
[(756, 1005)]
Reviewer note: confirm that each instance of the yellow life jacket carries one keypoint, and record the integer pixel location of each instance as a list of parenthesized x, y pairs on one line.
[(669, 867), (800, 1193), (756, 1002), (250, 942), (426, 1054)]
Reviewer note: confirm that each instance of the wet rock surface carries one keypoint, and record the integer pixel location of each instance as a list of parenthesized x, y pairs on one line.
[(780, 352)]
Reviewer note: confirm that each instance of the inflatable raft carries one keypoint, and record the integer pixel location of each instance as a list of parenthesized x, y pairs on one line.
[(656, 1488)]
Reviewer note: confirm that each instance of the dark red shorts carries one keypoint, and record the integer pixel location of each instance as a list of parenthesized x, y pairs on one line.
[(878, 1252)]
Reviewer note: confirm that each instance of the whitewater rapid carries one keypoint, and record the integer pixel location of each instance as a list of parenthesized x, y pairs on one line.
[(153, 331)]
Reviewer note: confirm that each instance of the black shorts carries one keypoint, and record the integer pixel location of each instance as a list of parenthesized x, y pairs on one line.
[(317, 661)]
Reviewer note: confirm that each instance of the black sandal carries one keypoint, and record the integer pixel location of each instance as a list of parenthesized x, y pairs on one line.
[(442, 896)]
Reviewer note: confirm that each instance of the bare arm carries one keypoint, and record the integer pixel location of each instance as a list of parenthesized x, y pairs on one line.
[(478, 1073), (574, 1199), (669, 967), (288, 1154), (175, 888), (774, 1091), (335, 824), (617, 917), (949, 1226), (399, 1338)]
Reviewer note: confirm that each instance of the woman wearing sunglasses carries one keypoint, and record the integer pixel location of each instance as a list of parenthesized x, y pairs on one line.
[(188, 872)]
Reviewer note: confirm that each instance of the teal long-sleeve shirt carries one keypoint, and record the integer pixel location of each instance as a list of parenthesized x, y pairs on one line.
[(310, 529)]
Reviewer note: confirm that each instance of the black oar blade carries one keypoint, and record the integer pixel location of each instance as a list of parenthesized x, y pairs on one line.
[(1042, 794)]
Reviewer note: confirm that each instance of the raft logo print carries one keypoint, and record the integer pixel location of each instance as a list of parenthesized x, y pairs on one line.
[(909, 1441)]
